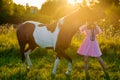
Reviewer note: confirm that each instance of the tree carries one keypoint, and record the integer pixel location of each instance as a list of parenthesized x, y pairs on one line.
[(56, 8), (107, 3), (18, 14), (6, 10)]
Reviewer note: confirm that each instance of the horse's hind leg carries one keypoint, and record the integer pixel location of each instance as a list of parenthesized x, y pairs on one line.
[(28, 58), (22, 49), (25, 52), (31, 47), (22, 42)]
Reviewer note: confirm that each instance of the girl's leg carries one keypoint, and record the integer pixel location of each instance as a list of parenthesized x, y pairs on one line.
[(101, 63), (104, 67), (86, 68)]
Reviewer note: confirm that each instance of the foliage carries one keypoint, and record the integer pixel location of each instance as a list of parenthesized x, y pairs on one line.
[(6, 9), (108, 3), (56, 8)]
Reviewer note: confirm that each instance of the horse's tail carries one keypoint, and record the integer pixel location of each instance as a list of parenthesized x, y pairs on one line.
[(21, 38)]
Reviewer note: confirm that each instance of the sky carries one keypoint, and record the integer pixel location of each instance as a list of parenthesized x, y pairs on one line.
[(37, 3)]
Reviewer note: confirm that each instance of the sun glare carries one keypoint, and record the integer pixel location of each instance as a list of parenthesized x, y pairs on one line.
[(37, 3), (73, 2)]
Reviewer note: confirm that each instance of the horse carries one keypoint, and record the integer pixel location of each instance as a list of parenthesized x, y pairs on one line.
[(56, 36)]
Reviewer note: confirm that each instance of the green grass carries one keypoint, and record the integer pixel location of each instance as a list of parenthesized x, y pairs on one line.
[(43, 60)]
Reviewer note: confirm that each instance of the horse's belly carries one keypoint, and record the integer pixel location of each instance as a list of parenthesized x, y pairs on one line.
[(45, 38)]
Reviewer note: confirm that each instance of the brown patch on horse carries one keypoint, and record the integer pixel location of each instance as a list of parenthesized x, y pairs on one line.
[(25, 36), (50, 27)]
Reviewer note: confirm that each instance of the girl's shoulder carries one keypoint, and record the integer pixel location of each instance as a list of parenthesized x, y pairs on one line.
[(83, 27)]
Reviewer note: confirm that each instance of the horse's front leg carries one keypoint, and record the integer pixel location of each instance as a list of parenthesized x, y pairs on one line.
[(69, 68), (61, 53), (55, 66), (28, 58), (68, 72)]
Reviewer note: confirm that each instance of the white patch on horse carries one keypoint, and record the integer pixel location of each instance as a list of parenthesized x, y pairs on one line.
[(45, 38)]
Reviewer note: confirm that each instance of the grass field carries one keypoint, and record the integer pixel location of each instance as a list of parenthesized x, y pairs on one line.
[(42, 59)]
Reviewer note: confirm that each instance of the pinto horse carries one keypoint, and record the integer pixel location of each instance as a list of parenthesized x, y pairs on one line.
[(57, 35)]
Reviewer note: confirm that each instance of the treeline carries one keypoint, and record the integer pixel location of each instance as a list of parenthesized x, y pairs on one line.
[(52, 10)]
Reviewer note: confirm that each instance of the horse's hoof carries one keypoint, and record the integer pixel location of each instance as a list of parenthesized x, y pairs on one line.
[(28, 68)]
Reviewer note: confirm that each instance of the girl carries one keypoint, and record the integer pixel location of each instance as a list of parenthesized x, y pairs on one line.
[(90, 47)]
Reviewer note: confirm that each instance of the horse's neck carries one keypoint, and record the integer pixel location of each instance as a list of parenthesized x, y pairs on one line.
[(72, 24), (67, 31)]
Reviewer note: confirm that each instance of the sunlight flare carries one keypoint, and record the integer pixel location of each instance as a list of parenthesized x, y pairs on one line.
[(36, 3), (73, 2)]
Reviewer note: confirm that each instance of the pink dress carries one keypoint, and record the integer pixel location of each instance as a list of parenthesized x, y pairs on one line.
[(88, 47)]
